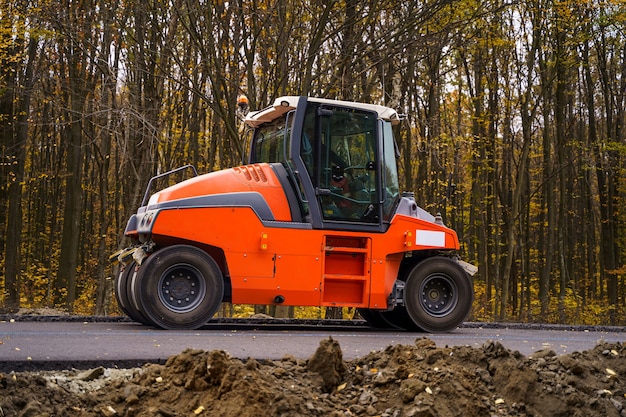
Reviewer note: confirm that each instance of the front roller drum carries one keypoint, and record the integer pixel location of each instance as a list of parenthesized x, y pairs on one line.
[(179, 287), (438, 294), (123, 293)]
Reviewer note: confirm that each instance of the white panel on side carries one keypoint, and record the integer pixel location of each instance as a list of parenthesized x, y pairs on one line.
[(430, 238)]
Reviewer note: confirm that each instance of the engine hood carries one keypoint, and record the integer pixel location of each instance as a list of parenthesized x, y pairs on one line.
[(257, 180)]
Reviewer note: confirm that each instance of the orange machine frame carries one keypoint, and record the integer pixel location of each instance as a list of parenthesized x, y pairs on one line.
[(281, 262)]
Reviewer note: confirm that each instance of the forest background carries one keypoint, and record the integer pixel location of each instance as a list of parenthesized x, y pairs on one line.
[(515, 129)]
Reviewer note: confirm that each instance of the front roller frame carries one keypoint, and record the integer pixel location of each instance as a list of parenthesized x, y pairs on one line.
[(438, 294), (179, 287)]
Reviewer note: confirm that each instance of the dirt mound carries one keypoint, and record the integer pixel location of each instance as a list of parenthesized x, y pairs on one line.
[(421, 380)]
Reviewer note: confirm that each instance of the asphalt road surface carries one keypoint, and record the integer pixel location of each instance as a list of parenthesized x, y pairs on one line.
[(124, 342)]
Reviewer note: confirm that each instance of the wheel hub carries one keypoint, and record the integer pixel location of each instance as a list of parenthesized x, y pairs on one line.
[(180, 288), (438, 295)]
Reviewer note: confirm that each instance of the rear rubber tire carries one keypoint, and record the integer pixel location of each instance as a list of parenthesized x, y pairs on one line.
[(438, 295), (399, 318), (179, 287), (396, 319), (378, 318)]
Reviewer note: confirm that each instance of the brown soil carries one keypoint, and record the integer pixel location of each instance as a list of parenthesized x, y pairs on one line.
[(421, 380)]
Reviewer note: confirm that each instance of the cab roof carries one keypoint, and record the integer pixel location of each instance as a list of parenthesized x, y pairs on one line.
[(287, 103)]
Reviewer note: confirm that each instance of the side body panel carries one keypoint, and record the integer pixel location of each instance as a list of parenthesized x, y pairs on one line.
[(300, 265)]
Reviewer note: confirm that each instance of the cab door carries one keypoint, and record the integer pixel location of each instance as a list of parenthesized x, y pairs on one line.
[(342, 155)]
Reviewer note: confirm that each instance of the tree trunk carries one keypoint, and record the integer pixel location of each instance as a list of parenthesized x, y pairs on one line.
[(607, 186), (104, 285), (72, 214), (14, 217)]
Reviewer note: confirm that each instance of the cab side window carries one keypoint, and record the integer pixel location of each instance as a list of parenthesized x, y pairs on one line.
[(391, 187), (269, 141)]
